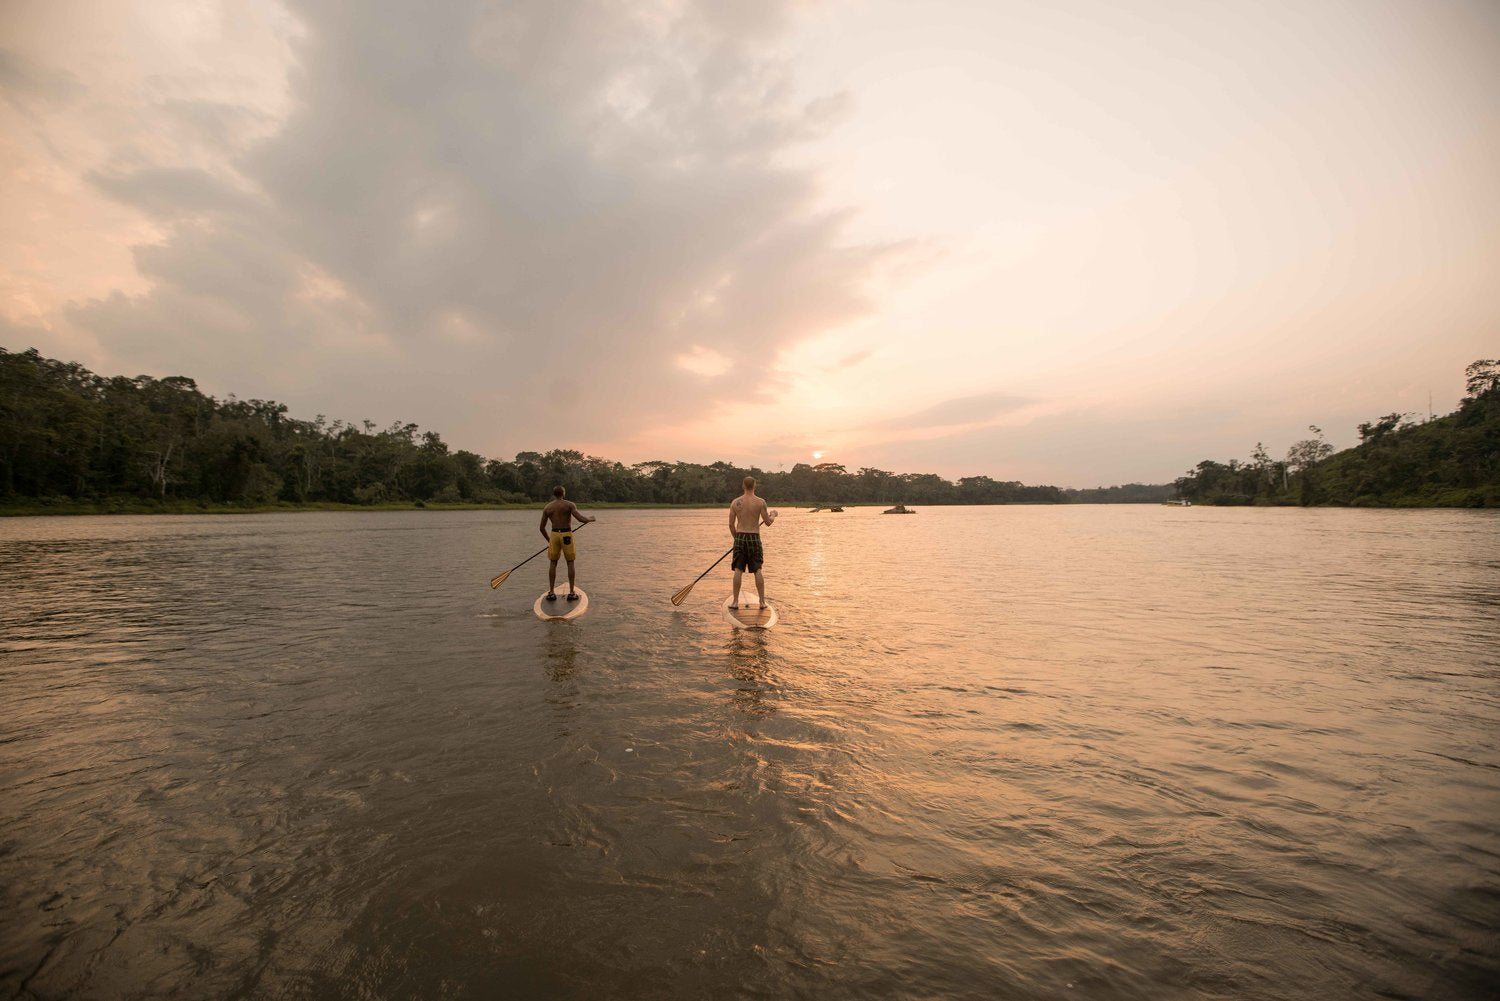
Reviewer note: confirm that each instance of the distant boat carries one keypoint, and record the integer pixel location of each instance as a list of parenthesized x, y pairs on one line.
[(1184, 502), (836, 510), (898, 509)]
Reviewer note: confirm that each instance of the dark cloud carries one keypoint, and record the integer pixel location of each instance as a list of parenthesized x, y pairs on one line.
[(541, 204)]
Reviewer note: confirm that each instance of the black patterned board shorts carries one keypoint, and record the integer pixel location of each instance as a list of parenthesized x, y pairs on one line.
[(747, 552)]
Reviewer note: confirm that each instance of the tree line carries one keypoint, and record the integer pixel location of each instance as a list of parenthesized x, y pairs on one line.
[(68, 435), (1452, 461)]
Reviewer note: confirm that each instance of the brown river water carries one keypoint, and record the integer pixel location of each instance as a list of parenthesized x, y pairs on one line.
[(1007, 752)]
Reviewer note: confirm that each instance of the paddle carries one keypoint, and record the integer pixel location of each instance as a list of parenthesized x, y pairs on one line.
[(681, 596), (497, 581)]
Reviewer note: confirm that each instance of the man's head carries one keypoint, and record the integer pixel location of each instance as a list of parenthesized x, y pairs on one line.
[(558, 491), (749, 482)]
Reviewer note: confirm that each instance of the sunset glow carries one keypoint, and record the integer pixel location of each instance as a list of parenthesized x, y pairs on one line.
[(1081, 245), (750, 498)]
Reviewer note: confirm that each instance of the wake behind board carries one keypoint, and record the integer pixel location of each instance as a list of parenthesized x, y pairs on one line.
[(749, 615), (562, 608)]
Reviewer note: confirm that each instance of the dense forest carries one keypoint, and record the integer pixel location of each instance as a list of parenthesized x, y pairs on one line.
[(70, 438), (1453, 461)]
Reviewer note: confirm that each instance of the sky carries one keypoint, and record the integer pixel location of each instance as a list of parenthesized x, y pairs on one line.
[(1078, 243)]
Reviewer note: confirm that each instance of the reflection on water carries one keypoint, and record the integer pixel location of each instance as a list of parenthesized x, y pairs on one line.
[(1140, 752), (750, 664), (562, 653)]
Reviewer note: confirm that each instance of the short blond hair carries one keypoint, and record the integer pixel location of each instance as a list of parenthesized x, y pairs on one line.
[(749, 482)]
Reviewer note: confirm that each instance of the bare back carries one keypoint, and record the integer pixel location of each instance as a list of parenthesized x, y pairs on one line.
[(560, 513), (746, 512)]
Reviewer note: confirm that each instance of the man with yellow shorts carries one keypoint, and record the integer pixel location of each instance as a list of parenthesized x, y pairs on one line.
[(559, 514)]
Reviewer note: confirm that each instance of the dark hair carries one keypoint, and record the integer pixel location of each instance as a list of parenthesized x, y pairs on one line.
[(558, 491), (749, 482)]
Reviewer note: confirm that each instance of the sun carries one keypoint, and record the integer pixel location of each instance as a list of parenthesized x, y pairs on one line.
[(817, 455)]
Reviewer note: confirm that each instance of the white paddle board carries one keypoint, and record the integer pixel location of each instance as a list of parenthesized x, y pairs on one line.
[(749, 615), (562, 608)]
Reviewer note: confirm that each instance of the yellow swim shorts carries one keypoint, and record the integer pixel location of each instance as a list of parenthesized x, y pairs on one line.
[(561, 543)]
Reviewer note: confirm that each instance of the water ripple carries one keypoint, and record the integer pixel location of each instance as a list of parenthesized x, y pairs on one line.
[(1139, 753)]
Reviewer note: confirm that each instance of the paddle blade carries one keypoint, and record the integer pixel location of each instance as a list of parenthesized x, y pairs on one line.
[(681, 596), (497, 581)]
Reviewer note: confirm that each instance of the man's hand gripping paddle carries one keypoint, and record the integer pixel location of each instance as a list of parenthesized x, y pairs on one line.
[(681, 596), (497, 581)]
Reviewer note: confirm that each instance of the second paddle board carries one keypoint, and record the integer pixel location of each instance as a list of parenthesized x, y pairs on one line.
[(749, 615), (562, 608)]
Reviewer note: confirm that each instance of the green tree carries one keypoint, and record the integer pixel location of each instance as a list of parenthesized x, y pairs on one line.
[(1304, 455)]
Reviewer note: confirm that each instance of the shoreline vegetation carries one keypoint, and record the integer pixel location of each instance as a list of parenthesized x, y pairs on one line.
[(113, 506), (1448, 461), (73, 442)]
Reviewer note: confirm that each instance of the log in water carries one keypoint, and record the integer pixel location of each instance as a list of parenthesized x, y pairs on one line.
[(1143, 752)]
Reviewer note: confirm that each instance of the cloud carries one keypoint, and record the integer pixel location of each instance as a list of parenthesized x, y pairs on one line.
[(481, 217), (976, 409), (17, 337), (703, 361), (171, 192), (20, 75), (218, 123)]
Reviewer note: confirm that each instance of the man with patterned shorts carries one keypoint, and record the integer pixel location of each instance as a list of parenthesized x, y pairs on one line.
[(747, 513)]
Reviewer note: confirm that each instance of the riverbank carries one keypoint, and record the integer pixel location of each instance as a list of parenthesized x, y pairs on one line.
[(138, 506), (1487, 496), (1447, 499), (196, 507)]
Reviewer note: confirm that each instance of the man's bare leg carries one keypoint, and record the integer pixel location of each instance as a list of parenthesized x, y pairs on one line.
[(760, 588), (735, 601), (570, 577), (552, 578)]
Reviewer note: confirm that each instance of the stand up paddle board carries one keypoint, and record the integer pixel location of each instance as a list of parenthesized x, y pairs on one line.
[(749, 615), (562, 608)]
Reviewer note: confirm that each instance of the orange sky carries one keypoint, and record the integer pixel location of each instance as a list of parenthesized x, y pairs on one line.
[(1074, 243)]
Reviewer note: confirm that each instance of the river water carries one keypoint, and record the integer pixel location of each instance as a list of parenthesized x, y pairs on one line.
[(1008, 752)]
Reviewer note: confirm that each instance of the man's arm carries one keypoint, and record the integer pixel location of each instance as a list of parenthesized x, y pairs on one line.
[(733, 510), (766, 517), (583, 519), (544, 526)]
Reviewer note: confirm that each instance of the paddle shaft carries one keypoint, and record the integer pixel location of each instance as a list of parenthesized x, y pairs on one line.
[(681, 596), (501, 577), (716, 563)]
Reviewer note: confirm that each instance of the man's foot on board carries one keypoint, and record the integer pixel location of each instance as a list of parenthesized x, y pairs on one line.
[(551, 596), (734, 608), (572, 596)]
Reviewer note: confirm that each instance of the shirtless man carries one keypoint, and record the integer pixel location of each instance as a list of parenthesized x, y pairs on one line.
[(747, 513), (560, 513)]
